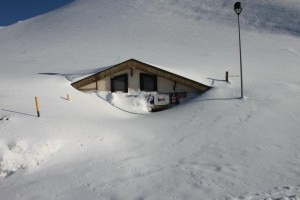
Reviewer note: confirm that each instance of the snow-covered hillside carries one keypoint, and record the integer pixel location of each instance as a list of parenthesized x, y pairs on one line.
[(215, 146)]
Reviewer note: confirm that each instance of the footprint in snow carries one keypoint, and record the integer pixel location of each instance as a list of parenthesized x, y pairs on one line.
[(15, 148), (4, 118)]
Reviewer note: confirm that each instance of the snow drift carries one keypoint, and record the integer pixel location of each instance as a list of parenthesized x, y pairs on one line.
[(24, 154), (215, 146)]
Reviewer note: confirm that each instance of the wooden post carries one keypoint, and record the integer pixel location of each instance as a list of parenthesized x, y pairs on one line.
[(131, 71), (68, 97), (37, 106), (226, 77), (174, 86)]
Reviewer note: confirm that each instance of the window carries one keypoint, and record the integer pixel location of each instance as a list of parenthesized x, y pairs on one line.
[(119, 83), (148, 82)]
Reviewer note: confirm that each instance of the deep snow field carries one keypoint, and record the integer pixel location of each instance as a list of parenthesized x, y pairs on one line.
[(214, 146)]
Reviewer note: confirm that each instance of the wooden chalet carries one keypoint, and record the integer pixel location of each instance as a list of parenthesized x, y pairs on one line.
[(133, 75)]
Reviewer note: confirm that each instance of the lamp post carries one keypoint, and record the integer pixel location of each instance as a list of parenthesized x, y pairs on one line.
[(238, 9)]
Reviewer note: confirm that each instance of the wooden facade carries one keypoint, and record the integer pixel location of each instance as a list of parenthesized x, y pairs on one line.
[(132, 65)]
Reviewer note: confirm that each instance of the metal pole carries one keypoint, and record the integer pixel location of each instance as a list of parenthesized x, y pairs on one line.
[(241, 70)]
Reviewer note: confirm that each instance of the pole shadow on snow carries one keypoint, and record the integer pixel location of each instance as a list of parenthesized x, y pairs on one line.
[(21, 113), (217, 99), (64, 98), (214, 79)]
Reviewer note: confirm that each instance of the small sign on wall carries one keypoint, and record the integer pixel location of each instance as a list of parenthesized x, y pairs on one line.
[(161, 99)]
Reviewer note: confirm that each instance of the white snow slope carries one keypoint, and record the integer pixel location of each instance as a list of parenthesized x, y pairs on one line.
[(215, 146)]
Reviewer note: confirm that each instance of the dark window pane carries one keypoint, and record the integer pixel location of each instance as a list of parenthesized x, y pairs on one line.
[(148, 82), (119, 83)]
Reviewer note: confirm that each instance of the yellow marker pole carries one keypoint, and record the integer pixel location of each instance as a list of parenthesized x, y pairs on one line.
[(37, 106), (68, 97)]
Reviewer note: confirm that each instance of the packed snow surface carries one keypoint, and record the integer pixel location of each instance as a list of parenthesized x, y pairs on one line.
[(214, 146)]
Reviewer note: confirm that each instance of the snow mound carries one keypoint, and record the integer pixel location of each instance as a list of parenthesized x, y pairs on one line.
[(278, 193), (24, 154), (133, 103)]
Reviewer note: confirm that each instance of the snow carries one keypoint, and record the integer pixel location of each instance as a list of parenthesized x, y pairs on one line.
[(24, 154), (133, 102), (213, 146)]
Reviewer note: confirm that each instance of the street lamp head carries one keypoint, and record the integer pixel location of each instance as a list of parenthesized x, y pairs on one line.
[(238, 8)]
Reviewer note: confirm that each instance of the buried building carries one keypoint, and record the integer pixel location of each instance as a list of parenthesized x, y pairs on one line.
[(162, 87)]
